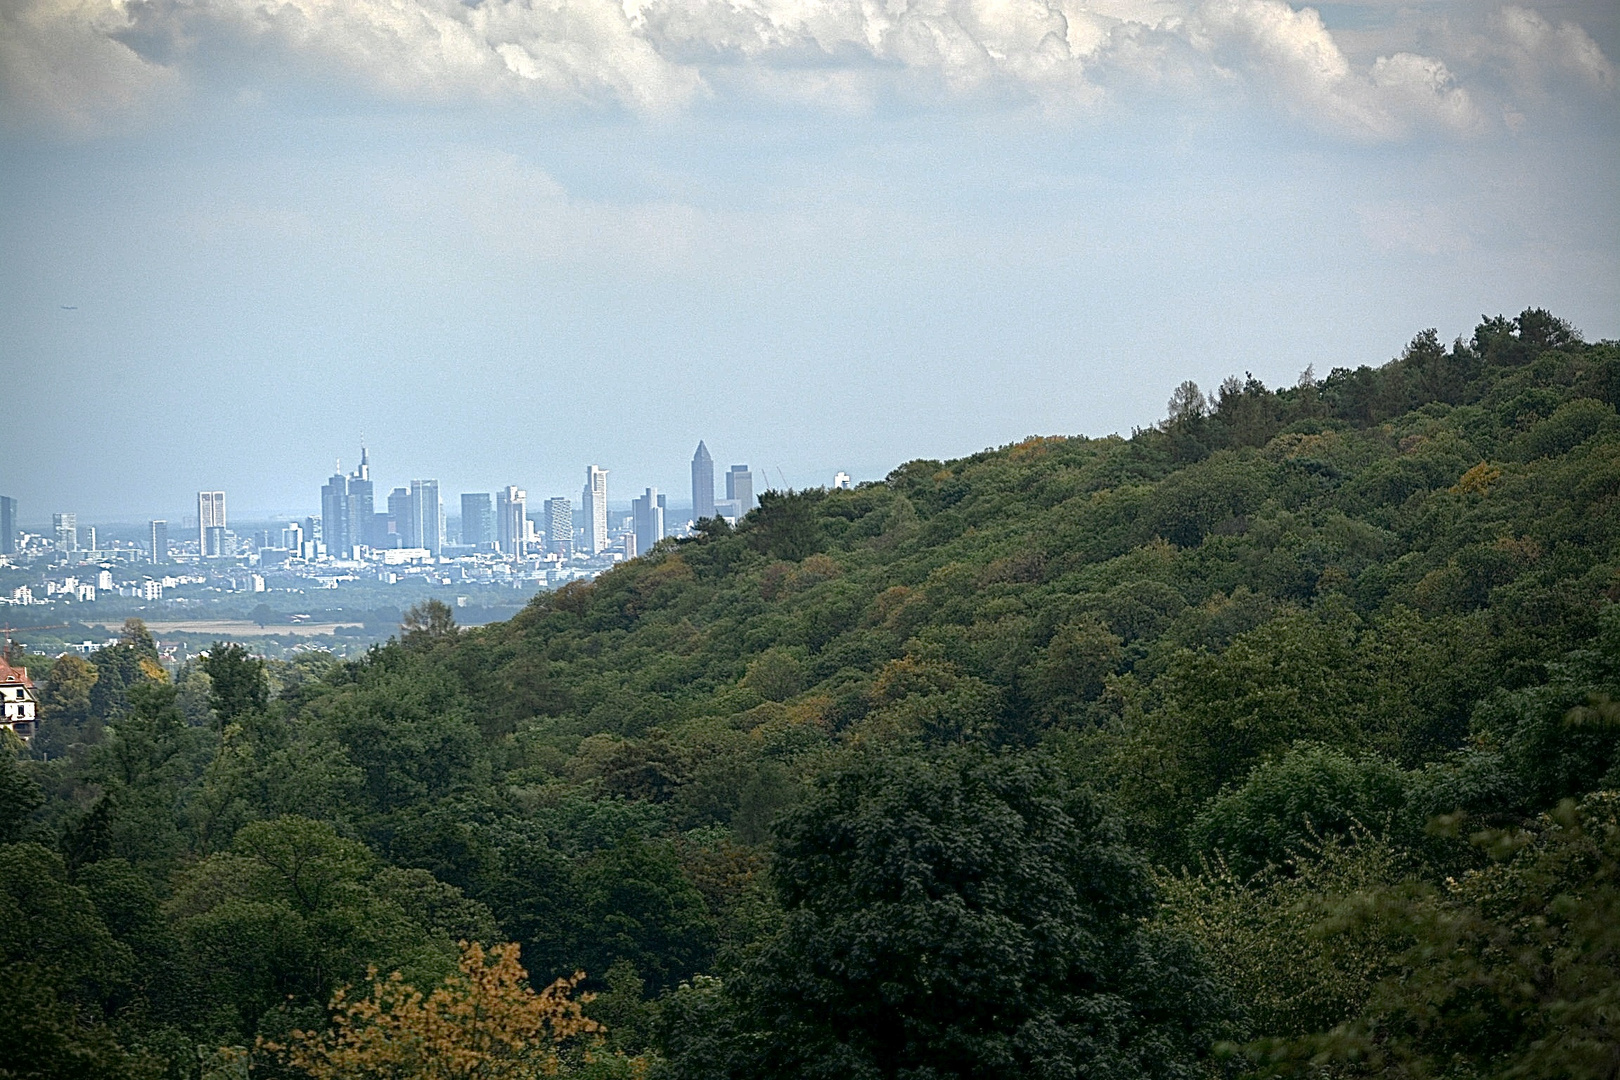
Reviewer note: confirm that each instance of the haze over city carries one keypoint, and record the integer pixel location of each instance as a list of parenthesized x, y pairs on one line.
[(499, 241)]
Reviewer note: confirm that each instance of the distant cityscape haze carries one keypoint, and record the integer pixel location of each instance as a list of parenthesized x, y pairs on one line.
[(834, 249)]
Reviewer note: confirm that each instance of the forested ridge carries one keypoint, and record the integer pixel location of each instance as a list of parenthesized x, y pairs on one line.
[(1276, 739)]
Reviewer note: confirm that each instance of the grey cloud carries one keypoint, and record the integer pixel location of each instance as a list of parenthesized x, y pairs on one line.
[(61, 61), (65, 60)]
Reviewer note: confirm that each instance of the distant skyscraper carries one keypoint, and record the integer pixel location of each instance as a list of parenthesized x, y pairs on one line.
[(8, 525), (399, 514), (211, 515), (511, 511), (90, 538), (740, 487), (649, 519), (477, 520), (158, 542), (593, 507), (702, 483), (362, 507), (560, 526), (66, 529), (335, 516), (427, 515)]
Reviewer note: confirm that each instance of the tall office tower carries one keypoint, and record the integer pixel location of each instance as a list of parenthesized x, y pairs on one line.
[(740, 487), (399, 515), (8, 525), (427, 515), (158, 542), (335, 516), (593, 507), (210, 515), (361, 504), (702, 483), (90, 538), (649, 519), (66, 529), (511, 510), (477, 520), (560, 527)]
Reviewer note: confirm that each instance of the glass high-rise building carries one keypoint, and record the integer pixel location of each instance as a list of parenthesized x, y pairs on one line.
[(335, 522), (560, 527), (362, 504), (8, 525), (399, 518), (649, 519), (740, 487), (593, 508), (702, 483), (65, 527), (210, 515), (157, 546), (477, 519), (511, 513), (427, 515)]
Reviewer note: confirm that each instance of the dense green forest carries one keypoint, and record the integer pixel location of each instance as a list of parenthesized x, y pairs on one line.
[(1279, 738)]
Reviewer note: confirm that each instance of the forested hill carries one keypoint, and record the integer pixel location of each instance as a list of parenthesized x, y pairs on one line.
[(1278, 736)]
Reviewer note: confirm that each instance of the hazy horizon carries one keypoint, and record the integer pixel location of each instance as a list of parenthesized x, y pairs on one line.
[(501, 241)]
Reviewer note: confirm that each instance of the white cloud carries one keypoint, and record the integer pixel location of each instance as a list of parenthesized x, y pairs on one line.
[(1536, 51), (1292, 52), (67, 58)]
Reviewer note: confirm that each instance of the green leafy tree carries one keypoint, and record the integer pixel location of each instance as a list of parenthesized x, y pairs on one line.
[(238, 684), (144, 768), (775, 675), (272, 927), (636, 904), (1285, 806), (44, 1038), (785, 525), (64, 705), (1510, 971), (427, 624), (20, 796), (56, 927), (962, 914)]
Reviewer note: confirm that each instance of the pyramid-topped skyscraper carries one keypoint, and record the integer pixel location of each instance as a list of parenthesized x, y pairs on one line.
[(702, 484)]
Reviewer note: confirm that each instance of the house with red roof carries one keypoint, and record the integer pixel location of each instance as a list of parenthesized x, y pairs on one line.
[(19, 704)]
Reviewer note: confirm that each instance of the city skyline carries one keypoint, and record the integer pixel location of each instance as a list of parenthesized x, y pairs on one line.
[(182, 513), (835, 248), (358, 487)]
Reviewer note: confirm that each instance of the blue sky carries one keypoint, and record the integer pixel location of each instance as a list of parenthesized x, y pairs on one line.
[(506, 239)]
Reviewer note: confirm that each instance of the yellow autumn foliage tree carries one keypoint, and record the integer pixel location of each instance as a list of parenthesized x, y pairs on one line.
[(483, 1023)]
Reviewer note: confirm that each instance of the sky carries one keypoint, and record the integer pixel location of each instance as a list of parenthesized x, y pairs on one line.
[(502, 239)]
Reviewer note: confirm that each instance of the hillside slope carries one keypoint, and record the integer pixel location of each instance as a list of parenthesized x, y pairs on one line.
[(1273, 640)]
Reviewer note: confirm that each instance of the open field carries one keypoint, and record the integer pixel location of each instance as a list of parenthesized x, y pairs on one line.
[(239, 628)]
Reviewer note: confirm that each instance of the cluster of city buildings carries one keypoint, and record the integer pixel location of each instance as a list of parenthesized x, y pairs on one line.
[(355, 524), (364, 533)]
